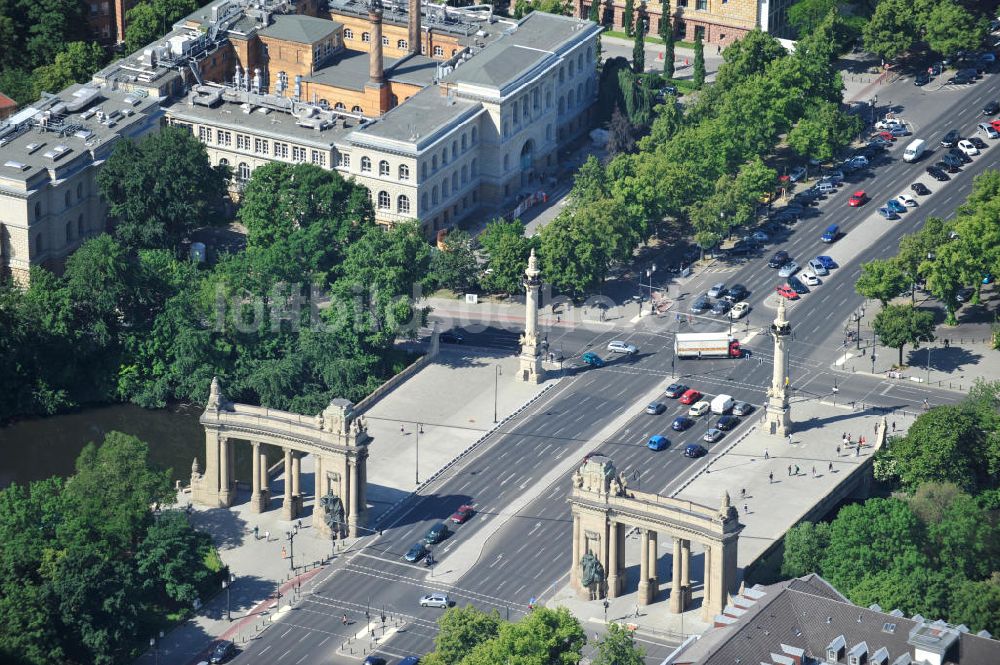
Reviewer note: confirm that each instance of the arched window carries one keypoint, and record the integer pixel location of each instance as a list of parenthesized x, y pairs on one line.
[(579, 61), (339, 106), (383, 168), (366, 165), (438, 51), (401, 44), (423, 171), (79, 226), (39, 244), (570, 100), (475, 135), (463, 143), (79, 191), (590, 53), (454, 149), (572, 68), (434, 163), (383, 200), (67, 199), (454, 180), (38, 211), (444, 189), (444, 156), (356, 109), (366, 36), (69, 232), (348, 33), (223, 162), (474, 169), (423, 201), (548, 99), (243, 173), (404, 172), (434, 196), (465, 174), (562, 74), (402, 204)]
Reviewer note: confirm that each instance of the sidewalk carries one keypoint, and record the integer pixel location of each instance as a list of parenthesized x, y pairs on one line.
[(453, 399)]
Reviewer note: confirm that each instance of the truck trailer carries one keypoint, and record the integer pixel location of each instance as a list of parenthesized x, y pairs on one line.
[(706, 345)]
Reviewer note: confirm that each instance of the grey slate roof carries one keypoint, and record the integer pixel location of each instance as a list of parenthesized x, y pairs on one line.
[(418, 120), (807, 613), (299, 28), (349, 69)]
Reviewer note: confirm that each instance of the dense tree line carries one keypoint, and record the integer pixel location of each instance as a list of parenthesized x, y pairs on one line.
[(87, 570), (934, 547), (308, 312)]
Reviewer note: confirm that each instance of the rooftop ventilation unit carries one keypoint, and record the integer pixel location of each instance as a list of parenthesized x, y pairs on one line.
[(32, 148), (82, 98), (83, 134), (10, 163), (58, 152)]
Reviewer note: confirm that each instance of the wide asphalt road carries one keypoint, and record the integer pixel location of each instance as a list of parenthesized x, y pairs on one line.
[(528, 556)]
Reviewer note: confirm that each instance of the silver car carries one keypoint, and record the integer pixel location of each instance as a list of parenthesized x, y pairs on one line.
[(788, 269), (818, 267), (619, 346), (435, 600), (717, 291)]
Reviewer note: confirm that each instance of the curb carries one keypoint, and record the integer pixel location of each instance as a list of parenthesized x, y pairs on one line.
[(705, 469)]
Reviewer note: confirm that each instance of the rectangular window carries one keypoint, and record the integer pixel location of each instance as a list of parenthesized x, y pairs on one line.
[(298, 154), (204, 134), (701, 5), (242, 142), (682, 3), (281, 150), (260, 146), (318, 158), (343, 160), (223, 138)]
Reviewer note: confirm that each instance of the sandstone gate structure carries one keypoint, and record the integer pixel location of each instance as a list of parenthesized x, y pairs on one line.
[(337, 438), (603, 507)]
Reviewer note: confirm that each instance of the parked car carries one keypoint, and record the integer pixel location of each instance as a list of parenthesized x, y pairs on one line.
[(959, 156), (700, 305), (779, 259), (760, 236), (907, 200), (657, 442), (827, 261), (736, 293), (374, 660), (436, 533), (937, 173), (655, 408), (899, 130), (695, 450), (895, 206), (785, 291), (965, 295), (681, 423), (923, 78), (462, 515), (789, 268), (887, 213), (675, 390), (690, 396), (797, 285), (948, 166), (920, 189), (416, 552), (810, 278), (742, 409), (699, 408), (726, 423), (978, 142), (817, 267), (858, 198), (712, 435), (798, 173), (836, 176), (717, 291), (721, 307), (618, 346), (739, 310), (967, 148), (991, 108), (592, 359), (435, 600), (222, 652), (952, 137), (988, 130)]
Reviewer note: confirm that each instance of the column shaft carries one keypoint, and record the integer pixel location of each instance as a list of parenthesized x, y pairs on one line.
[(288, 505), (644, 569), (225, 473), (296, 475), (353, 499), (574, 571), (613, 560), (654, 581), (256, 496), (708, 591), (676, 597), (686, 570), (318, 492)]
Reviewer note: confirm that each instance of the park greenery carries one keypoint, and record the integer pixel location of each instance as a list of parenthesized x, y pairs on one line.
[(933, 546), (469, 636), (309, 311), (88, 571)]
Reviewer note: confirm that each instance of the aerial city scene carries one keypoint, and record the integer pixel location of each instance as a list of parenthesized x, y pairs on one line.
[(526, 332)]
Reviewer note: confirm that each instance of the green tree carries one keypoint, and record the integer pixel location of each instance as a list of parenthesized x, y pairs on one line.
[(639, 46), (507, 252), (899, 325), (594, 14), (931, 500), (951, 28), (805, 15), (628, 17), (171, 558), (698, 67), (454, 266), (46, 27), (977, 605), (891, 30), (747, 57), (147, 21), (618, 648), (74, 64), (161, 189), (462, 629), (882, 280), (967, 540), (576, 249), (620, 134), (667, 34), (543, 637), (805, 546), (823, 131)]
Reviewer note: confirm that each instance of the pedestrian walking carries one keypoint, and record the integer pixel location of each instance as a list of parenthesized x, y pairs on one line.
[(343, 619), (284, 552), (796, 469), (401, 430), (789, 439), (256, 533), (838, 451), (637, 611), (857, 451), (850, 440), (789, 469), (743, 493), (770, 477), (766, 456), (893, 425), (746, 509), (814, 472), (830, 467)]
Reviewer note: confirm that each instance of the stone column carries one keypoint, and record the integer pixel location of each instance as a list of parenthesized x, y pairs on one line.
[(708, 586), (654, 581), (297, 476), (676, 598), (225, 473), (352, 520), (265, 486), (362, 464), (644, 569), (318, 491), (686, 570), (574, 570), (256, 497), (613, 579), (288, 505)]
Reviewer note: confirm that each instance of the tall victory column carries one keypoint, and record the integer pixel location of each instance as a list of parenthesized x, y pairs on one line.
[(777, 414), (531, 355)]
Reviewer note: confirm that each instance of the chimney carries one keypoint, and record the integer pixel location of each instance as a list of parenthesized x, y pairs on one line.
[(375, 67), (414, 25)]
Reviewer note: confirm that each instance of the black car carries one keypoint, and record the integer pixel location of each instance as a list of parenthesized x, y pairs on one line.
[(961, 78), (675, 390), (948, 167), (959, 155), (937, 174), (374, 660), (951, 138), (737, 292), (978, 142), (436, 533), (992, 108), (721, 307), (726, 423), (923, 78), (920, 189), (450, 338), (415, 553), (222, 652), (695, 450), (797, 285), (779, 259)]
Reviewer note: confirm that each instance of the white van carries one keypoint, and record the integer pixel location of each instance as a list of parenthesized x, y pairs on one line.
[(914, 150), (723, 404)]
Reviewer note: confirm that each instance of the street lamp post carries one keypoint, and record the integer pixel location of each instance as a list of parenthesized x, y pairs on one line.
[(290, 535), (496, 388), (873, 350), (928, 380), (835, 391), (416, 462), (857, 318), (649, 276), (226, 584)]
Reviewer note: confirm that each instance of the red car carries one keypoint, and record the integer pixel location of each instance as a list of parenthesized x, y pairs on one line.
[(858, 198), (887, 136), (995, 124), (463, 513), (690, 396), (785, 291)]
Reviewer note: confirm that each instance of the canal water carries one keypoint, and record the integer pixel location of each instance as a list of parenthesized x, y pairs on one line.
[(43, 447)]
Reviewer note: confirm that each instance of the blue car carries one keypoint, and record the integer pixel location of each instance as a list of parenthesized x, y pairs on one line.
[(681, 423), (592, 359), (827, 262), (657, 442), (888, 214), (895, 206)]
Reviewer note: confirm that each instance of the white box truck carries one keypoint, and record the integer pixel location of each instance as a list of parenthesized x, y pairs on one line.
[(706, 345), (722, 404), (915, 150)]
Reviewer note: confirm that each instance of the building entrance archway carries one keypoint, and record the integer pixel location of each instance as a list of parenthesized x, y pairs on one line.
[(337, 438), (604, 508)]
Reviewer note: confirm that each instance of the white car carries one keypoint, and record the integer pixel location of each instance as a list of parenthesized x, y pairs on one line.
[(788, 269), (889, 123), (619, 346), (907, 200), (435, 600), (739, 310), (810, 278), (699, 408), (968, 148)]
